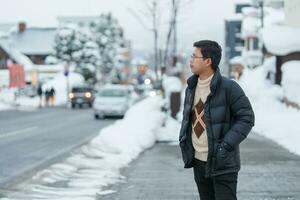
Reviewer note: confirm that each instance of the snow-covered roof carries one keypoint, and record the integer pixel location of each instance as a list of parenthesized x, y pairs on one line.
[(281, 40), (243, 1), (78, 19), (251, 24), (38, 41), (235, 17), (15, 54), (251, 11)]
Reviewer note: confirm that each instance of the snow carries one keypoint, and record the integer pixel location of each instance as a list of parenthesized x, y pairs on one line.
[(171, 84), (35, 40), (274, 119), (60, 85), (273, 17), (243, 2), (7, 96), (15, 53), (237, 60), (4, 106), (252, 58), (270, 64), (290, 80), (4, 80), (251, 11), (250, 27), (169, 132), (97, 164), (235, 17), (281, 40)]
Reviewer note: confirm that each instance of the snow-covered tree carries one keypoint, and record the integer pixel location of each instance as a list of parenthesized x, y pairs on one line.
[(108, 36), (75, 46)]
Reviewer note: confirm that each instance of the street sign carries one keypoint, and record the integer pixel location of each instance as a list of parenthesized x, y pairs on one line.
[(66, 70)]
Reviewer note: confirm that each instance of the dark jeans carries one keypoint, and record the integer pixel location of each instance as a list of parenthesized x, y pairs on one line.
[(222, 187)]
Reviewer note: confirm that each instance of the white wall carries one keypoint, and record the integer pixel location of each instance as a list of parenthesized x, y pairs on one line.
[(292, 13)]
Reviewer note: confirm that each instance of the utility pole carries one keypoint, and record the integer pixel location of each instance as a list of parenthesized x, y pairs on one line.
[(261, 4), (155, 32), (175, 8)]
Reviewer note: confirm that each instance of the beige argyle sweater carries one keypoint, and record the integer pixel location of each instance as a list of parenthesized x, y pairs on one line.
[(199, 135)]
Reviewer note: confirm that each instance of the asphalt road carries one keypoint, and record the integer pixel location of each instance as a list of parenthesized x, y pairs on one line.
[(31, 141)]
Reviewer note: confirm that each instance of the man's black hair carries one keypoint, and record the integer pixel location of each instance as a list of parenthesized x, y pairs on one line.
[(210, 49)]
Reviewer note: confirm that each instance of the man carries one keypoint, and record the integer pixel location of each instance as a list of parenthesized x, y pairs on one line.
[(217, 117), (40, 94)]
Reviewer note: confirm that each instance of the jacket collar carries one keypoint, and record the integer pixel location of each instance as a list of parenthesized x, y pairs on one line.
[(192, 81)]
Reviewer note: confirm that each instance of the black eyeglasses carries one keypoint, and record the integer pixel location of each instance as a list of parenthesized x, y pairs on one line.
[(193, 56)]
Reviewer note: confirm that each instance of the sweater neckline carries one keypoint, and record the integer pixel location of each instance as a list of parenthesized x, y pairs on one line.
[(206, 81)]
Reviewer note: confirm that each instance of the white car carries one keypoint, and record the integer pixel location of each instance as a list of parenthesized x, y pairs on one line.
[(112, 100)]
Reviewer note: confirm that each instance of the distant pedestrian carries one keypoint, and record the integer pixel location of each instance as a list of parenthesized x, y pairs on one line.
[(52, 96), (40, 94), (47, 96), (217, 117)]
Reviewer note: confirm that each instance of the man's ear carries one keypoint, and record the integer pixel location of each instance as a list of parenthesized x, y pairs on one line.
[(208, 61)]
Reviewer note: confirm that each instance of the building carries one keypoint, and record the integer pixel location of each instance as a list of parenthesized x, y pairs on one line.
[(9, 54), (233, 41), (35, 42)]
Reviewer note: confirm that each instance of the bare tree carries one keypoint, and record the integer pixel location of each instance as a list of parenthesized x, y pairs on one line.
[(177, 5), (151, 11)]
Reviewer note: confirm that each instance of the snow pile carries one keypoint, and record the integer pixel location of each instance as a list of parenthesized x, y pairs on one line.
[(135, 132), (281, 40), (7, 96), (85, 174), (169, 132), (273, 119), (290, 81), (4, 106), (270, 65), (170, 84)]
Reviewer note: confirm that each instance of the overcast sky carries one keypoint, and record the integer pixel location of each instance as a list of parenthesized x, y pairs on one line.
[(201, 19)]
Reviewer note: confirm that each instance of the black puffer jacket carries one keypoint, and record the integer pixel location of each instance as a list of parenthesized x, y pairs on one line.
[(228, 117)]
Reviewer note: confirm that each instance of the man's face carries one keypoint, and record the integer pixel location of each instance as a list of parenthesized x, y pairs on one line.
[(198, 63)]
